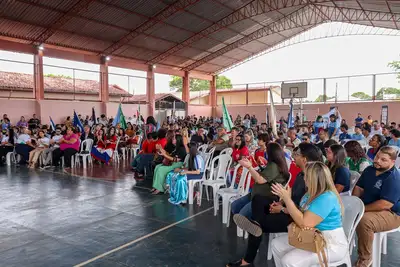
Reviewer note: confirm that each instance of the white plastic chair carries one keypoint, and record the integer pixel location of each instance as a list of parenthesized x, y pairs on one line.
[(228, 193), (354, 176), (192, 183), (353, 212), (115, 154), (218, 174), (227, 151), (86, 148), (380, 246), (134, 149), (11, 157), (202, 148)]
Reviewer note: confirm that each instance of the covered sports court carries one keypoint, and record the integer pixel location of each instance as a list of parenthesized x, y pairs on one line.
[(93, 217)]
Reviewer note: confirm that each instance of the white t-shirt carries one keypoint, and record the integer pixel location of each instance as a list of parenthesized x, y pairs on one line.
[(44, 141), (56, 138), (4, 139), (23, 139)]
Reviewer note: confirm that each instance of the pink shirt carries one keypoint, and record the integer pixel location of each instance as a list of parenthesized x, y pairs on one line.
[(75, 145)]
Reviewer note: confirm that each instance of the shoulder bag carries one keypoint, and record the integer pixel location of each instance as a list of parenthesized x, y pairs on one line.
[(309, 239)]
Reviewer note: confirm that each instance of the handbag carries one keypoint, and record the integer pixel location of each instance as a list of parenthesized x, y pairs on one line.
[(309, 239)]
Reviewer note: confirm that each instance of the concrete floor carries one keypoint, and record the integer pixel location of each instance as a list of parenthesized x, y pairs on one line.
[(51, 218)]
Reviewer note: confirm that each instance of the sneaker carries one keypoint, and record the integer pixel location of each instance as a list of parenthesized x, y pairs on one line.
[(247, 225), (363, 263)]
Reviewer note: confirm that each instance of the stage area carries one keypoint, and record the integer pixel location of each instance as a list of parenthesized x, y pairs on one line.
[(52, 218)]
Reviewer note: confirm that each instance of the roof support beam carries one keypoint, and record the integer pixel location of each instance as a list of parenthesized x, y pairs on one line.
[(254, 8), (394, 21), (161, 16), (370, 21), (81, 5), (305, 17)]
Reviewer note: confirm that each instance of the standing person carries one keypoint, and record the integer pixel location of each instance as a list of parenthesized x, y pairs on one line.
[(272, 216), (247, 121), (379, 189), (22, 123), (370, 121), (318, 124), (34, 122), (69, 146), (336, 156), (253, 120), (359, 120), (321, 208), (332, 126)]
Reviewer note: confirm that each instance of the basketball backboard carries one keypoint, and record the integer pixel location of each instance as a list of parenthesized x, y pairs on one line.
[(294, 90)]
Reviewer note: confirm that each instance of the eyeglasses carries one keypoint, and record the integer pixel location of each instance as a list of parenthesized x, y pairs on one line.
[(305, 139)]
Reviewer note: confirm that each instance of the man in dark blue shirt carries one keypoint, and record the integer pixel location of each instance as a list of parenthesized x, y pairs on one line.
[(344, 135), (379, 189), (359, 120)]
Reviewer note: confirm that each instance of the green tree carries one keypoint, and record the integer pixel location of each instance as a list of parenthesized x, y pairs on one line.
[(199, 85), (395, 65), (320, 98), (387, 91), (57, 76), (361, 95)]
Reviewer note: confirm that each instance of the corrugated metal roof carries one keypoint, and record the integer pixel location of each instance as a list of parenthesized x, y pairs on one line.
[(200, 35)]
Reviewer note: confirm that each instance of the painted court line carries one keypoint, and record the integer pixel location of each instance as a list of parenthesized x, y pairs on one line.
[(140, 239)]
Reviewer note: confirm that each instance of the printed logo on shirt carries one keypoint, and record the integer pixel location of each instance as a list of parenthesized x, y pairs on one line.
[(378, 184)]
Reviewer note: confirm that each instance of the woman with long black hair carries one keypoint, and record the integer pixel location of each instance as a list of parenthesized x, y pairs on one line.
[(7, 144), (276, 171), (177, 179), (170, 162), (336, 156)]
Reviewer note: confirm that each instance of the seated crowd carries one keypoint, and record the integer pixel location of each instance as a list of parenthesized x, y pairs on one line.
[(298, 175)]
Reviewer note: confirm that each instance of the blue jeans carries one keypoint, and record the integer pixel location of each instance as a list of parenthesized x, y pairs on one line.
[(242, 206)]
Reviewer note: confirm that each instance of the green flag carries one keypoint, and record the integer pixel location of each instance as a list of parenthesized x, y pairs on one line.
[(228, 124), (120, 118)]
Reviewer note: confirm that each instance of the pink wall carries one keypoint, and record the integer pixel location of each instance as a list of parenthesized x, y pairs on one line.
[(348, 110), (200, 110), (128, 109), (16, 108)]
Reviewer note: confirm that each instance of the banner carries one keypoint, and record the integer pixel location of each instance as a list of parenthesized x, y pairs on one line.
[(228, 124), (333, 111), (120, 118), (77, 122), (290, 115)]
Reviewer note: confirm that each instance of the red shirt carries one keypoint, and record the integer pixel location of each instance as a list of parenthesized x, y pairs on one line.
[(238, 154), (293, 170), (162, 142), (148, 146)]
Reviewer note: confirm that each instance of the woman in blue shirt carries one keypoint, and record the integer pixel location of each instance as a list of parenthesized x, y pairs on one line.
[(336, 156), (321, 208), (395, 140), (318, 124)]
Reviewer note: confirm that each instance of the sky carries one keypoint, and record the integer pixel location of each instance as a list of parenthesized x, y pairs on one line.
[(329, 57)]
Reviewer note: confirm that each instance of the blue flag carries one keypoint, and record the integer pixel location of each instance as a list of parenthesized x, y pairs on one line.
[(290, 116), (52, 124), (77, 122)]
